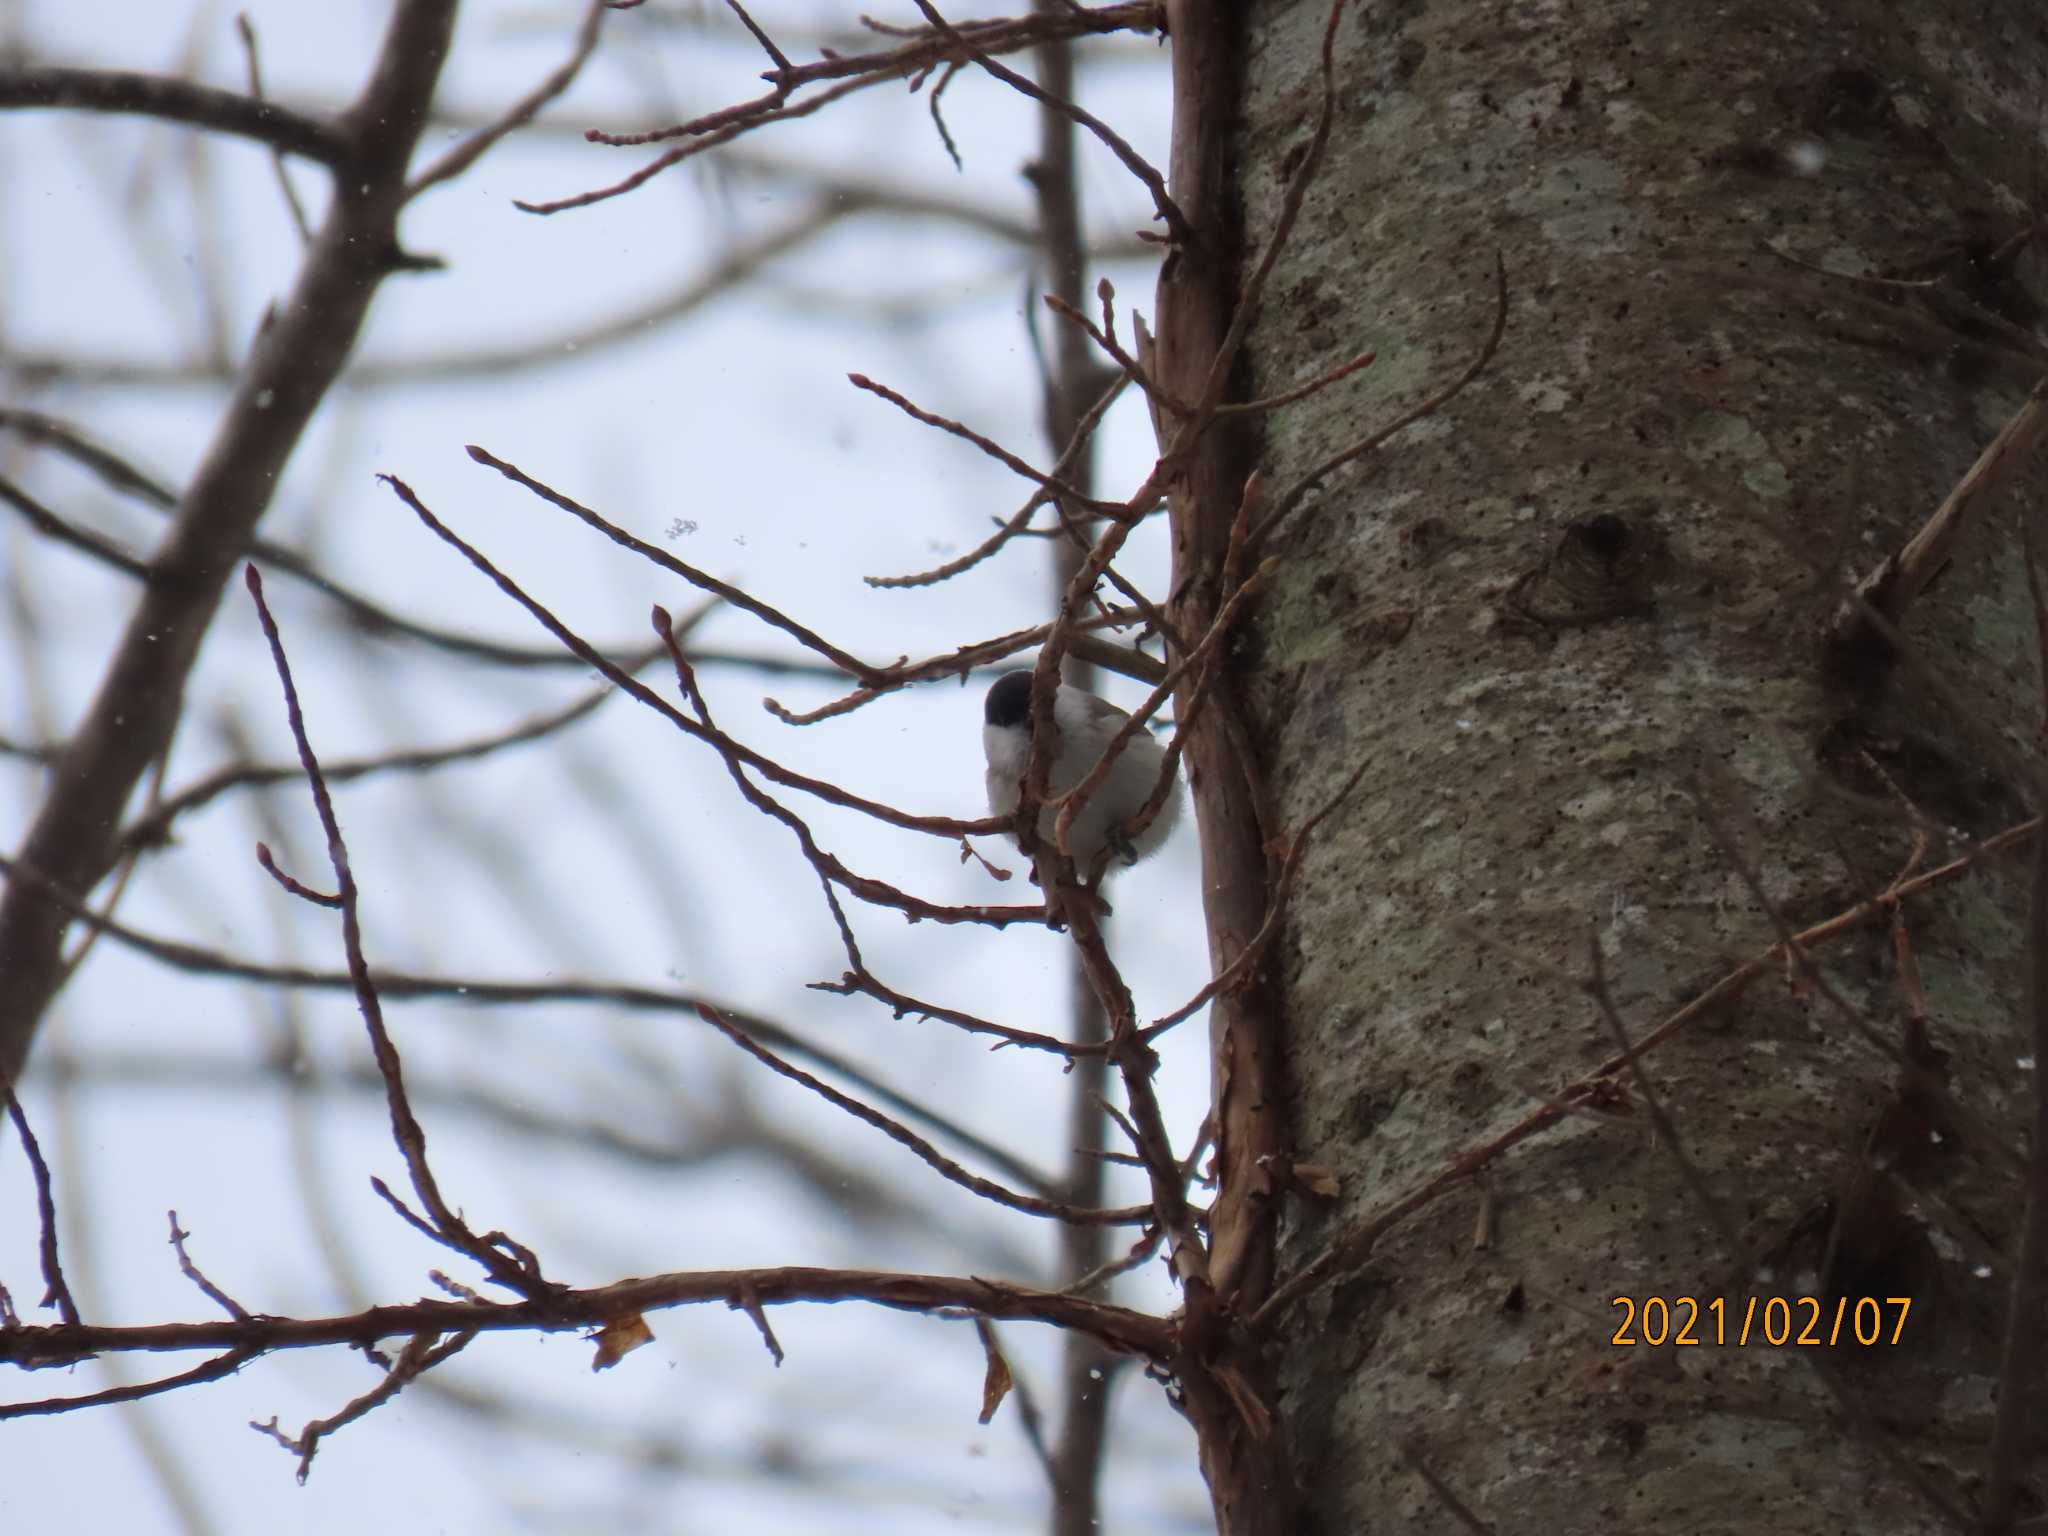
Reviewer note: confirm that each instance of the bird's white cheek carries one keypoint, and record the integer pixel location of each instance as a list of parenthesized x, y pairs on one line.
[(1007, 752)]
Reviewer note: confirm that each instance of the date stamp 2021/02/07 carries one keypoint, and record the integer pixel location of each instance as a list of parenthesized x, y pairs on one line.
[(1773, 1320)]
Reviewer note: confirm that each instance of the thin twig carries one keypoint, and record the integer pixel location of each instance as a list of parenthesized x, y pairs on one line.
[(1030, 1205), (293, 885), (781, 59), (1276, 910), (1356, 1241), (212, 1370), (1412, 1454), (1070, 495), (1086, 646), (51, 526), (1178, 228), (56, 1293), (1250, 297), (1316, 385), (1084, 433), (192, 1272), (154, 827), (522, 112), (938, 826), (674, 157), (1595, 986), (247, 33), (1072, 801), (123, 476), (406, 1131), (1792, 947), (1891, 586), (403, 986), (418, 1356), (703, 580)]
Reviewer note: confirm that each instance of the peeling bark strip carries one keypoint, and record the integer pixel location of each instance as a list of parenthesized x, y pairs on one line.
[(295, 358), (1229, 1390)]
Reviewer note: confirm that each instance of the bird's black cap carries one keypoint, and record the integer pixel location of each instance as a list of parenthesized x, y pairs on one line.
[(1009, 700)]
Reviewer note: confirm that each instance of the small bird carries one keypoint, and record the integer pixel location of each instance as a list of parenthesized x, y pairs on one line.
[(1086, 726)]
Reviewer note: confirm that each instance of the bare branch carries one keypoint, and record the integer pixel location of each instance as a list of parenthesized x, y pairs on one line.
[(155, 827), (1071, 495), (1595, 986), (1892, 585), (481, 991), (1249, 956), (1176, 222), (937, 826), (74, 838), (1074, 799), (1411, 1452), (1352, 1245), (522, 112), (123, 476), (1252, 292), (55, 528), (1059, 1210), (56, 1293), (569, 1311), (703, 580), (177, 101), (1015, 524), (191, 1272), (726, 270), (418, 1357), (246, 32), (292, 885), (520, 1273), (213, 1370), (775, 54)]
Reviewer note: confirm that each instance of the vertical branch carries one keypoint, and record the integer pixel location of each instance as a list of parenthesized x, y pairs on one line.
[(1075, 1459), (75, 836), (1196, 296), (1244, 1460)]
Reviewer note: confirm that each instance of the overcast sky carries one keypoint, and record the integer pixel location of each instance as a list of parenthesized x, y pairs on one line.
[(140, 259)]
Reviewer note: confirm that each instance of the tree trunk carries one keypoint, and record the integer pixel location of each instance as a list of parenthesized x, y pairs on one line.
[(1575, 626)]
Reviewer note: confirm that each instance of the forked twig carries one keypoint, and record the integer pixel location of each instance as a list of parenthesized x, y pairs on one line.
[(522, 1274), (56, 1292)]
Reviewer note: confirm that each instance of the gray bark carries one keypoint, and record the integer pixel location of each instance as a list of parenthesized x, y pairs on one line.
[(1575, 624)]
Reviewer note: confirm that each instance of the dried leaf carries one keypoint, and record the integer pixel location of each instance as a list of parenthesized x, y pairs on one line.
[(995, 1385), (618, 1338)]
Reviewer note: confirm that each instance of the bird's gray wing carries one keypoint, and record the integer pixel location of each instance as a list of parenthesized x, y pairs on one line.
[(1102, 712)]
